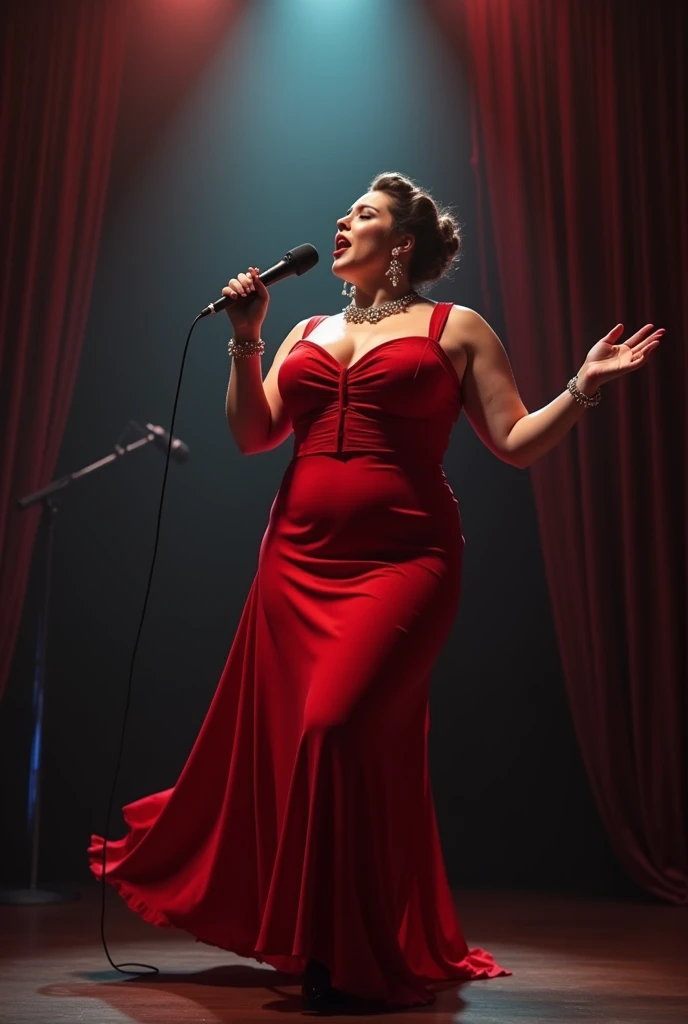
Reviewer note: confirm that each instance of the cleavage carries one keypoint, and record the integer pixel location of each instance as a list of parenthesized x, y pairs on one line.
[(357, 348)]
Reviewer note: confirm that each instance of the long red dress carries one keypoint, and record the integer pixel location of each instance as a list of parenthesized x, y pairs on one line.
[(303, 823)]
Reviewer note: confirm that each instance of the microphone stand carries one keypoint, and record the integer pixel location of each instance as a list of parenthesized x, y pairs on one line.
[(50, 506)]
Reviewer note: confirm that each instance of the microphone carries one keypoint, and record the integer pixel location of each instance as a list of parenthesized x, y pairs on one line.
[(296, 261), (161, 439)]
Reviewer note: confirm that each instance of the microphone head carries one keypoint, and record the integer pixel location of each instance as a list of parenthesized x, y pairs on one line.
[(179, 452), (302, 258)]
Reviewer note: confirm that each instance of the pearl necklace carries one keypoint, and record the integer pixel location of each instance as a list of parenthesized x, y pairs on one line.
[(359, 314)]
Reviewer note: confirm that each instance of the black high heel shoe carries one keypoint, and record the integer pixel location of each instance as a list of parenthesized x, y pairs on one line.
[(316, 989), (320, 997)]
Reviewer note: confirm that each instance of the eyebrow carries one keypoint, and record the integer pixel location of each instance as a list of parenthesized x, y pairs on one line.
[(362, 207)]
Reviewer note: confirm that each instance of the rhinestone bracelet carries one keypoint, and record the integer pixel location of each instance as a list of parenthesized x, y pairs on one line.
[(245, 348), (587, 400)]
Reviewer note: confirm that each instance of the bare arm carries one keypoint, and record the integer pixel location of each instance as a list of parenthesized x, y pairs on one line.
[(494, 407), (255, 412)]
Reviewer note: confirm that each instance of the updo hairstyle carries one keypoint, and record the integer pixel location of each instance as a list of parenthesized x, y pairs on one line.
[(435, 229)]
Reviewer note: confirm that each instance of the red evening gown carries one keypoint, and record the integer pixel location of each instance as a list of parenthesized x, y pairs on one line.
[(303, 823)]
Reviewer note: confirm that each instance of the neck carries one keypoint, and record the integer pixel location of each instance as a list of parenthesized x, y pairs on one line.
[(367, 296)]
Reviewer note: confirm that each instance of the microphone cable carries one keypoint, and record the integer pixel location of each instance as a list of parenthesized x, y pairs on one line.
[(149, 969)]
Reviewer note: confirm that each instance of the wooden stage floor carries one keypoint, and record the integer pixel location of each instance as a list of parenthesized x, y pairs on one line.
[(574, 959)]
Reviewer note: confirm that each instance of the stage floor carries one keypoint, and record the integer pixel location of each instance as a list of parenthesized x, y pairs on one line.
[(573, 958)]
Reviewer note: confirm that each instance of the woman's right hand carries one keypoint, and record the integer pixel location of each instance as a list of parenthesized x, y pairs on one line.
[(248, 303)]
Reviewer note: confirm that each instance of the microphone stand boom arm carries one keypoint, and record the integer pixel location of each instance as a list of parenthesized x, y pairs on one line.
[(50, 506)]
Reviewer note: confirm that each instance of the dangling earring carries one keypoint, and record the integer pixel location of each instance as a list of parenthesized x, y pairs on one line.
[(352, 291), (395, 268)]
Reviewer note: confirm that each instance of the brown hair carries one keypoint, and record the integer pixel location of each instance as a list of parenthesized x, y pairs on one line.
[(435, 229)]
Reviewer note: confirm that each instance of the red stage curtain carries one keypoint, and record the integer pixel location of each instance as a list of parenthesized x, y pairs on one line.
[(580, 150), (61, 68)]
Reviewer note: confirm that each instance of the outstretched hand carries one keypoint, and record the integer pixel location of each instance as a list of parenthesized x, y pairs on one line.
[(608, 358)]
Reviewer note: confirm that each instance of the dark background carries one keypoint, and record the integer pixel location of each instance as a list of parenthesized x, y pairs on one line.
[(238, 140)]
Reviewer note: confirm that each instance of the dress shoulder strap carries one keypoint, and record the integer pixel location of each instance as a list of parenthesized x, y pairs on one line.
[(313, 323), (439, 319)]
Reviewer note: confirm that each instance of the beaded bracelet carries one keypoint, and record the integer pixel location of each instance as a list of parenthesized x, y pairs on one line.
[(587, 400), (248, 348)]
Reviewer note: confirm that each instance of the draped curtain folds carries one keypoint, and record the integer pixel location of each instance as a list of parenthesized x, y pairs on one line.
[(579, 149), (61, 68)]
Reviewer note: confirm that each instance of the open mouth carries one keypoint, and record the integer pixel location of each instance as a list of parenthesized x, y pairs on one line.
[(340, 246)]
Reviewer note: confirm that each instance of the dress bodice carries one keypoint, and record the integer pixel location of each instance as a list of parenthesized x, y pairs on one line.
[(402, 396)]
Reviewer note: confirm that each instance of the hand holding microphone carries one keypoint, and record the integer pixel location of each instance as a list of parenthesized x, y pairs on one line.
[(248, 304)]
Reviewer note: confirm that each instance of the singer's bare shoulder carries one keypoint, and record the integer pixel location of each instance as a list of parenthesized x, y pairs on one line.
[(281, 426)]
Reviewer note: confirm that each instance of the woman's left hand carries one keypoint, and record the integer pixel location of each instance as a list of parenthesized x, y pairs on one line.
[(607, 359)]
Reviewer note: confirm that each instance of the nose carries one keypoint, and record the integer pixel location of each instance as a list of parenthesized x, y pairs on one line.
[(341, 224)]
